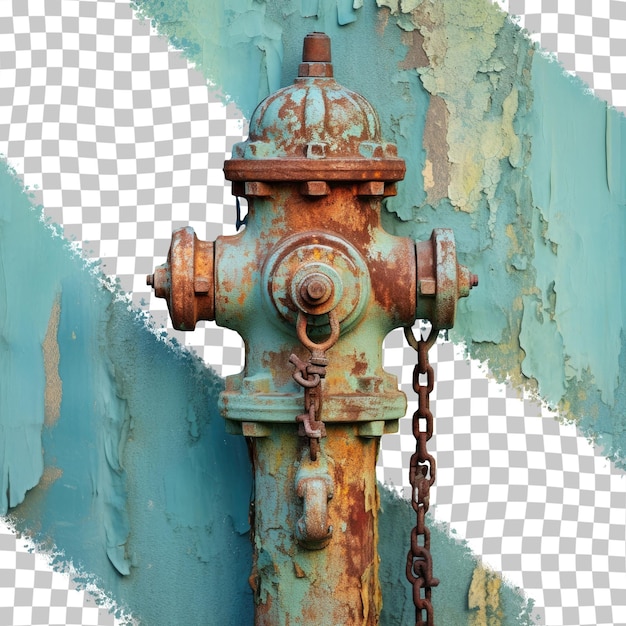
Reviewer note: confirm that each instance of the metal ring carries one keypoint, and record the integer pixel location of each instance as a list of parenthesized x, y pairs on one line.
[(414, 343), (308, 383), (301, 325)]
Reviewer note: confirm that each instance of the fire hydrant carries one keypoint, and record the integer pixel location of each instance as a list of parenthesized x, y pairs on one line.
[(313, 284)]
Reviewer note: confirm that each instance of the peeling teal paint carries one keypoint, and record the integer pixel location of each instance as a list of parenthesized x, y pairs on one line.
[(579, 228), (136, 481), (102, 422), (24, 315), (220, 36), (578, 185)]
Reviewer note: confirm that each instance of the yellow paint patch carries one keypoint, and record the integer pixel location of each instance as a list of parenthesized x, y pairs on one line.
[(427, 173), (478, 135), (372, 497), (436, 172), (369, 580), (53, 392), (484, 598), (512, 235)]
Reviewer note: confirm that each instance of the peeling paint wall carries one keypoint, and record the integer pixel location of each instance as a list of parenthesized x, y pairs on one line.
[(461, 595), (118, 439), (579, 230)]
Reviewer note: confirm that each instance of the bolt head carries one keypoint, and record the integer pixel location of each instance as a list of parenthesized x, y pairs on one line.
[(160, 281), (316, 288)]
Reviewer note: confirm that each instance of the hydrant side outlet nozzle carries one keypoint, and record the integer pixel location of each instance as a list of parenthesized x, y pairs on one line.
[(187, 281)]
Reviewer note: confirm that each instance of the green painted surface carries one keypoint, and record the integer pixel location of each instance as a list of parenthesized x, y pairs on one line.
[(579, 230)]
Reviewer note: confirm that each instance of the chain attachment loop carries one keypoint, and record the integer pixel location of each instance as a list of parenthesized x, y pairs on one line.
[(309, 375), (422, 475)]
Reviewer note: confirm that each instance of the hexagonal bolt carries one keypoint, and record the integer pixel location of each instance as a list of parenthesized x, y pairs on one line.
[(159, 281), (371, 188), (315, 188), (427, 286), (316, 288), (202, 285)]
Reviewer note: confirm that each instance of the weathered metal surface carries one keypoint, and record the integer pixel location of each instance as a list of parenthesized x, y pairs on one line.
[(315, 486), (258, 281), (294, 584), (334, 264), (313, 283), (441, 281), (186, 280)]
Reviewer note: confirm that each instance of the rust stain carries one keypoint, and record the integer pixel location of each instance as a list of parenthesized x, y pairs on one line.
[(415, 56), (277, 362), (371, 594), (53, 392), (437, 169), (393, 278), (359, 367), (382, 20)]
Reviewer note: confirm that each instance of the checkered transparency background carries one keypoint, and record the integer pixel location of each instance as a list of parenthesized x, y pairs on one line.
[(124, 143)]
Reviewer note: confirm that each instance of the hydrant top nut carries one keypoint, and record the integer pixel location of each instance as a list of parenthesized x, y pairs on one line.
[(316, 288)]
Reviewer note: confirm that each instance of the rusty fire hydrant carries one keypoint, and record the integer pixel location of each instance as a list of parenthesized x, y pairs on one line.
[(313, 284)]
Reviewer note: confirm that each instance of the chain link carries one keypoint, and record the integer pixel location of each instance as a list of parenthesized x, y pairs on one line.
[(422, 475), (309, 375)]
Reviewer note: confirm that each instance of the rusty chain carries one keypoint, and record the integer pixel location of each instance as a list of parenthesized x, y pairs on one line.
[(309, 375), (422, 475)]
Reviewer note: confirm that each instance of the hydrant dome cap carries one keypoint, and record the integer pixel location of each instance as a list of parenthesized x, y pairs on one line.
[(319, 123)]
